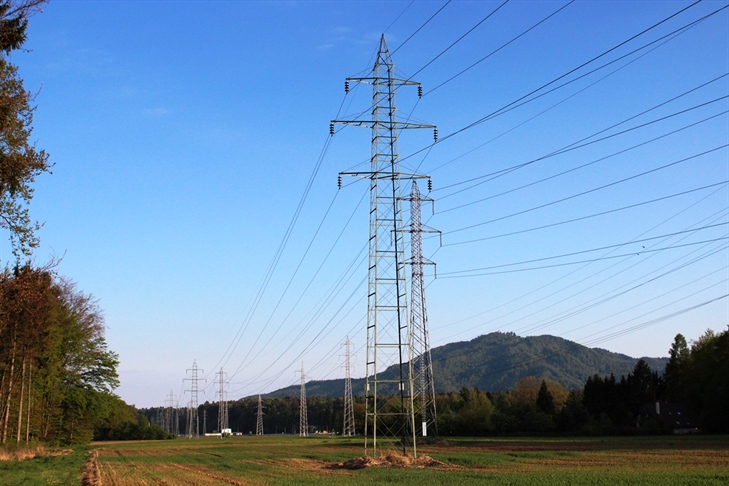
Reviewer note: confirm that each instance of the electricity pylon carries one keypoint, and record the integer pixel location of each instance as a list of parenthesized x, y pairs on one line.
[(222, 404), (169, 415), (176, 420), (424, 400), (389, 398), (348, 426), (193, 419), (303, 419), (259, 417)]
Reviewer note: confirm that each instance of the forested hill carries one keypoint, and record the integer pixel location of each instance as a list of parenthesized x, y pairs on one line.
[(496, 361)]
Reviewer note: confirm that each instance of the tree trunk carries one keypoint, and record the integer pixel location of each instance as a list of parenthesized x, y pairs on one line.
[(2, 391), (6, 409), (20, 403), (30, 394)]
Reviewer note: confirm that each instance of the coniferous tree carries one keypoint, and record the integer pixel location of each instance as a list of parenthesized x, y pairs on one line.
[(545, 401), (675, 369)]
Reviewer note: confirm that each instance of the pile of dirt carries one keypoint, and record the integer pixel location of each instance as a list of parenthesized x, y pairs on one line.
[(391, 459)]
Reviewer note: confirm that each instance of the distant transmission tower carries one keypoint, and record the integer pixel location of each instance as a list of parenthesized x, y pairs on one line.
[(388, 329), (176, 420), (169, 414), (222, 404), (422, 363), (303, 419), (348, 427), (259, 417), (193, 418)]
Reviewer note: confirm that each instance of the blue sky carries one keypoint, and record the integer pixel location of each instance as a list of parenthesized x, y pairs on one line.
[(184, 134)]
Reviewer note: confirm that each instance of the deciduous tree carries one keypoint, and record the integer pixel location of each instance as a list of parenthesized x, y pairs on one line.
[(20, 161)]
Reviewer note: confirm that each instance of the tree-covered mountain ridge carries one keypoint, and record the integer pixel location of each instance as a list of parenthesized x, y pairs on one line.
[(496, 361)]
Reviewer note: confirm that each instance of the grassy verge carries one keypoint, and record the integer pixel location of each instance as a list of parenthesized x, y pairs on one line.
[(48, 467)]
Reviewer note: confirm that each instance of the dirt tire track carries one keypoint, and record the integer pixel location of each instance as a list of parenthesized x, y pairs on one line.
[(209, 474), (91, 475)]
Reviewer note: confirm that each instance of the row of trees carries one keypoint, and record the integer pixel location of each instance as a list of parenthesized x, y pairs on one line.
[(695, 376), (56, 373)]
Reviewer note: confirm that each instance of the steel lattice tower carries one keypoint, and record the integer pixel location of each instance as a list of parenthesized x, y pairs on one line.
[(169, 414), (259, 417), (222, 404), (389, 410), (422, 363), (193, 421), (348, 426), (303, 419)]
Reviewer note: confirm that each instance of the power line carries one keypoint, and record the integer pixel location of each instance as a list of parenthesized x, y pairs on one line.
[(419, 28), (595, 189), (582, 252), (459, 39), (499, 48), (654, 321), (581, 218), (520, 101), (448, 275), (575, 146), (584, 289)]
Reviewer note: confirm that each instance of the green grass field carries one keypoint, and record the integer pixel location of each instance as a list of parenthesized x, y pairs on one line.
[(315, 460)]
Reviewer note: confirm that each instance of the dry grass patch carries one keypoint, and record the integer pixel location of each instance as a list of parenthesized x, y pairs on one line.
[(31, 452)]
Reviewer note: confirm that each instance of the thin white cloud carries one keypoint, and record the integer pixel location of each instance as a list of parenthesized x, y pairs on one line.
[(155, 112)]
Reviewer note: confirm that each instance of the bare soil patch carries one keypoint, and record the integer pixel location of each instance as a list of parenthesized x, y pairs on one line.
[(91, 475), (391, 459)]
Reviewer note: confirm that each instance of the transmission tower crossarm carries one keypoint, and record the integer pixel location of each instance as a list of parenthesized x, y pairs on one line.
[(399, 125), (373, 80), (382, 175)]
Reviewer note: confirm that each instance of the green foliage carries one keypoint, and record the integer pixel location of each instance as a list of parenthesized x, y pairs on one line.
[(699, 377), (605, 405), (56, 372), (545, 401), (20, 161), (63, 469), (497, 361), (678, 358)]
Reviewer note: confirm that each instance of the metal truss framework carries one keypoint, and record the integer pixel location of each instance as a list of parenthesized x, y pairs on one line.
[(303, 419), (222, 403), (193, 418), (424, 384), (389, 398), (259, 417), (348, 425)]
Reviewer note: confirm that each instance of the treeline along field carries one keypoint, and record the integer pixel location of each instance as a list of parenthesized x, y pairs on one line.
[(56, 372), (695, 379)]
